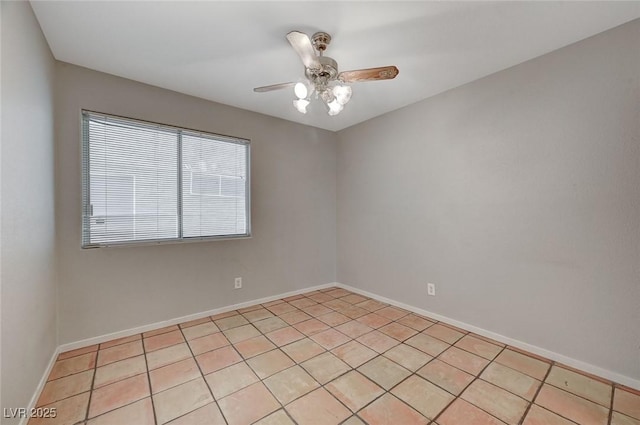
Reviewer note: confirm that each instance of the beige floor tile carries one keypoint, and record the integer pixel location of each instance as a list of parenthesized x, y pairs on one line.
[(325, 367), (200, 330), (230, 380), (393, 313), (398, 331), (139, 413), (354, 312), (416, 322), (354, 329), (511, 380), (522, 363), (354, 299), (241, 333), (581, 385), (478, 347), (253, 346), (408, 357), (330, 338), (428, 344), (464, 360), (316, 310), (627, 403), (246, 406), (446, 376), (285, 336), (282, 308), (423, 396), (212, 361), (354, 390), (270, 324), (571, 406), (256, 315), (374, 321), (302, 302), (66, 387), (117, 371), (294, 317), (269, 363), (277, 418), (167, 356), (291, 383), (160, 331), (208, 343), (118, 394), (377, 341), (539, 416), (354, 354), (302, 350), (224, 315), (68, 411), (194, 322), (231, 322), (388, 410), (372, 305), (206, 415), (318, 407), (72, 365), (174, 374), (120, 341), (162, 341), (334, 318), (620, 419), (444, 333), (384, 372), (119, 352), (461, 412), (311, 326), (502, 404), (250, 308), (77, 352), (182, 399), (354, 420), (320, 298)]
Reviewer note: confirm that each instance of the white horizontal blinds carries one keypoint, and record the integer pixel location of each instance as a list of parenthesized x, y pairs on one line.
[(214, 186), (130, 179)]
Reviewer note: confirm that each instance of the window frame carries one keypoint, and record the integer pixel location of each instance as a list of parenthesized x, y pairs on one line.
[(85, 233)]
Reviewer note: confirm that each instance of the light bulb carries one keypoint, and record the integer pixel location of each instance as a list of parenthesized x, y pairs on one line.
[(334, 107), (300, 90), (342, 94), (301, 105)]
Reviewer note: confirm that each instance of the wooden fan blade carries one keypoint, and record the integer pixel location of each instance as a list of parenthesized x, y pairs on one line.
[(273, 87), (303, 47), (370, 74)]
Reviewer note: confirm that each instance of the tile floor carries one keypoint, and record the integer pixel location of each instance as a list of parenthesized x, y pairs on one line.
[(323, 358)]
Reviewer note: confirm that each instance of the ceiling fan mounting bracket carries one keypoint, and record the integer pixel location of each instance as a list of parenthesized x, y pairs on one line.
[(328, 71), (320, 41)]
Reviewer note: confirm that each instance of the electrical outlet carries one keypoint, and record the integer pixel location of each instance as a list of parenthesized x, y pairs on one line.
[(238, 283), (431, 289)]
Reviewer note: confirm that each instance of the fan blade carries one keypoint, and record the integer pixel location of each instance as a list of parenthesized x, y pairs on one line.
[(273, 87), (370, 74), (303, 47)]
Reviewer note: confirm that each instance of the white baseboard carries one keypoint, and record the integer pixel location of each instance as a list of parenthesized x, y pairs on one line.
[(41, 384), (551, 355), (157, 325)]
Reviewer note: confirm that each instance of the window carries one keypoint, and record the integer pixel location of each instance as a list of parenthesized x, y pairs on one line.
[(145, 182)]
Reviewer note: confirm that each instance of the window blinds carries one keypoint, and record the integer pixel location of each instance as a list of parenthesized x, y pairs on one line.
[(146, 182)]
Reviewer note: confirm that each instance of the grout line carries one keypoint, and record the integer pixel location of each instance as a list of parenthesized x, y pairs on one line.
[(202, 375), (613, 393), (146, 365)]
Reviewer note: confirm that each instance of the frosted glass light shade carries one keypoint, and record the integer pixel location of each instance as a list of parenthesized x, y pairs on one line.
[(301, 105), (300, 90), (342, 94), (334, 107)]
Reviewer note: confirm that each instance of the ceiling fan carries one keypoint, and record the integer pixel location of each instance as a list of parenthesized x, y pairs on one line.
[(322, 74)]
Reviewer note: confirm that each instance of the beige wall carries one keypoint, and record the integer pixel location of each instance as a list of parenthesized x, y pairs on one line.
[(517, 195), (28, 232), (293, 191)]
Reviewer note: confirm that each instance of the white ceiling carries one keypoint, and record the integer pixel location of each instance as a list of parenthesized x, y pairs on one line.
[(221, 50)]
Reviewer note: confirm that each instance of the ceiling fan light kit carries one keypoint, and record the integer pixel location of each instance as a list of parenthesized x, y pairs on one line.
[(323, 78)]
